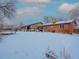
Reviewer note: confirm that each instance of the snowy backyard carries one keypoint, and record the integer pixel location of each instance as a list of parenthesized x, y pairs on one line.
[(34, 45)]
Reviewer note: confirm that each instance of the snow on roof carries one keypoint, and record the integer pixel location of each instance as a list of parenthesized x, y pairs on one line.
[(60, 22)]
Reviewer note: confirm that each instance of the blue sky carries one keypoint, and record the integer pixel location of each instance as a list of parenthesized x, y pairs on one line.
[(31, 11)]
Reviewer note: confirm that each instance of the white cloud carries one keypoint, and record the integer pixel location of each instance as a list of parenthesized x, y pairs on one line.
[(35, 1), (34, 8), (66, 7), (28, 12)]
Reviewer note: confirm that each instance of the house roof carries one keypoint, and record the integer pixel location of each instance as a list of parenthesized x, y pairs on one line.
[(59, 22), (36, 23), (31, 24)]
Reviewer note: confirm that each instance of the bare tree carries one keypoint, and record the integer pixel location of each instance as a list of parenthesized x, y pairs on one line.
[(47, 19), (7, 10), (51, 55), (65, 54), (74, 13)]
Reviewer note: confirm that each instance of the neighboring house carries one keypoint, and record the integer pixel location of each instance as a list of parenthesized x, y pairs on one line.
[(7, 29), (35, 26), (1, 26), (60, 26), (31, 27), (22, 28)]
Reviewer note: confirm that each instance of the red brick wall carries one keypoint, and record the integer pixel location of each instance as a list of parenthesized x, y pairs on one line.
[(67, 27)]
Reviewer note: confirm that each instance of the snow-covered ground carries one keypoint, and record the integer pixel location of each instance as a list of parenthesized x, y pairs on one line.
[(33, 45)]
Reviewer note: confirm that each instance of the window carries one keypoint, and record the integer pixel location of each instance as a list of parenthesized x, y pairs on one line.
[(61, 25)]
